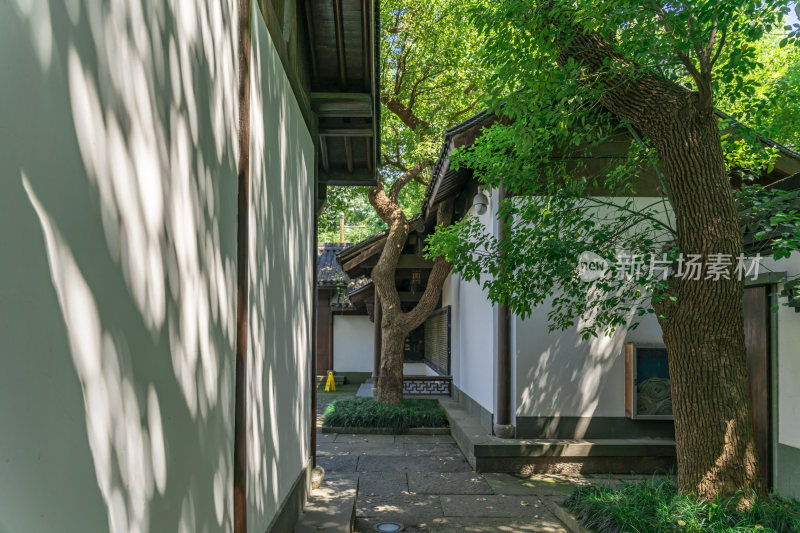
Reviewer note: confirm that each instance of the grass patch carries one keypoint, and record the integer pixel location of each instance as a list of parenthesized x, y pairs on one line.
[(370, 413), (342, 391), (656, 506)]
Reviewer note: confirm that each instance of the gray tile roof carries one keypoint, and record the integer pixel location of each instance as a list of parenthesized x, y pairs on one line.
[(329, 271)]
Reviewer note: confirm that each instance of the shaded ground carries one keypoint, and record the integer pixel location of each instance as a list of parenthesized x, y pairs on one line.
[(325, 398), (425, 483)]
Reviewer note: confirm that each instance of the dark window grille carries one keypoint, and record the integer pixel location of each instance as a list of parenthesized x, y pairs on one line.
[(437, 341)]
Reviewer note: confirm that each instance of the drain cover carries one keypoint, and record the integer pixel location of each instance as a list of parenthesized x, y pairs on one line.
[(389, 527)]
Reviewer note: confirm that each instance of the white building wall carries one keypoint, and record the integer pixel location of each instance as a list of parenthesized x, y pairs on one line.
[(786, 385), (118, 204), (353, 343), (281, 284), (558, 374), (472, 324), (788, 353)]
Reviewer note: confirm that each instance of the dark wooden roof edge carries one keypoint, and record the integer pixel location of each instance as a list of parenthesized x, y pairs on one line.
[(443, 162), (785, 150), (349, 252), (792, 183)]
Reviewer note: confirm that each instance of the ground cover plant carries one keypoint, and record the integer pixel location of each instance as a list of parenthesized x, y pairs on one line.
[(361, 412), (346, 390), (655, 506)]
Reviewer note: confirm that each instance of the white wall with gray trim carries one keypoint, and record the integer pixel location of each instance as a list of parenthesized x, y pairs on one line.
[(118, 224)]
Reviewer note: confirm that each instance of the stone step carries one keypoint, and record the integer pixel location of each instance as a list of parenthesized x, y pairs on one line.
[(576, 448), (331, 507), (487, 453)]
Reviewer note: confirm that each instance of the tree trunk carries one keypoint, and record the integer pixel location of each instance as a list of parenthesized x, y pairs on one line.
[(395, 323), (390, 382), (704, 328)]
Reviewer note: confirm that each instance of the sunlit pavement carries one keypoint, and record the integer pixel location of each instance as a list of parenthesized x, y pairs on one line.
[(425, 483)]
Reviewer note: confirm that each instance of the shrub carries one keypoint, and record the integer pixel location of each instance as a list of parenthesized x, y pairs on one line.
[(370, 413), (655, 505)]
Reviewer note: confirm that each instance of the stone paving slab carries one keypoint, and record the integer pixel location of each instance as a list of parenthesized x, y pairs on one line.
[(494, 506), (330, 507), (373, 463), (547, 485), (383, 483), (324, 438), (343, 438), (425, 439), (338, 463), (411, 508), (364, 448), (446, 449), (546, 524), (340, 480), (448, 483)]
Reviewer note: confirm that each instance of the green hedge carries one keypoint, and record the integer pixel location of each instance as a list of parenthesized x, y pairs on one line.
[(369, 413), (656, 506)]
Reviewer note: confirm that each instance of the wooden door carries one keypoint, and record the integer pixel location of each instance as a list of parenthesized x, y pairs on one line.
[(756, 335)]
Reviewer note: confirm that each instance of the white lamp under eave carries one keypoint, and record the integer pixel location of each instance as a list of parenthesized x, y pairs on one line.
[(480, 202)]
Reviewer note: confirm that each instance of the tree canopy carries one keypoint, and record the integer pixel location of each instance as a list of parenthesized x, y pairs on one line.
[(432, 77), (738, 55)]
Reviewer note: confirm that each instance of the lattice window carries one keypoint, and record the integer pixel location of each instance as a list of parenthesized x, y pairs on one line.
[(437, 341)]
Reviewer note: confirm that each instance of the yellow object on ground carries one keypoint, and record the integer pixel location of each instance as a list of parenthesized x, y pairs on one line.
[(330, 385)]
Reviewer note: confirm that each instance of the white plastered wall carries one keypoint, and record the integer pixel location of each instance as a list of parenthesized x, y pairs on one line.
[(559, 374), (118, 229), (788, 364), (117, 288), (472, 325), (786, 383), (281, 283), (353, 343)]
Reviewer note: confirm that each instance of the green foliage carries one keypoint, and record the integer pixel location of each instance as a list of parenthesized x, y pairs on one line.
[(773, 219), (431, 78), (353, 203), (361, 412), (656, 506), (771, 108), (566, 200)]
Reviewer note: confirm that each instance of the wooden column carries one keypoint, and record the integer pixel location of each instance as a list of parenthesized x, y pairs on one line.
[(502, 426), (376, 364), (242, 286)]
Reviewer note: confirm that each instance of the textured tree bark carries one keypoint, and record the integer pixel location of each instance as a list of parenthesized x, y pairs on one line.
[(395, 323), (704, 328)]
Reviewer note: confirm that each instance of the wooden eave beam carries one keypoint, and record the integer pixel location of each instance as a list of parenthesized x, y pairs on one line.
[(365, 254), (312, 52), (326, 104), (348, 154), (323, 152), (342, 177), (346, 130), (366, 44), (339, 23)]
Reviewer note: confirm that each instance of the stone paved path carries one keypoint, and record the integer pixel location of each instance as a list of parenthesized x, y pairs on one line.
[(425, 483)]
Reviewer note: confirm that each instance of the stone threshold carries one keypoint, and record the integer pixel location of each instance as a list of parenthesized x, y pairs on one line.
[(487, 453), (386, 431)]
